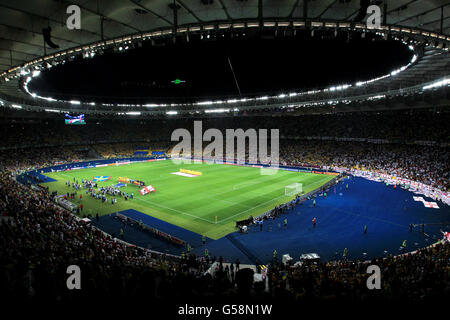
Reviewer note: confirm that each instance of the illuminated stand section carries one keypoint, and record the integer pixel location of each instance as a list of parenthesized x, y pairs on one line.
[(75, 120)]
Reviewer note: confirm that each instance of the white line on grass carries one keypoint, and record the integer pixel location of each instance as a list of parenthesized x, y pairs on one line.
[(237, 214), (182, 212), (261, 204), (229, 202)]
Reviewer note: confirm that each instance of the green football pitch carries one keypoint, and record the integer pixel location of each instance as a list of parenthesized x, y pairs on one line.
[(209, 204)]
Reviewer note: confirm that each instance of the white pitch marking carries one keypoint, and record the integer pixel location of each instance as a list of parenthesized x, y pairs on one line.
[(182, 212), (271, 200)]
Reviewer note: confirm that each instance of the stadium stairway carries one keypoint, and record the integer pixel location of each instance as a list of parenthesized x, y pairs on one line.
[(252, 257)]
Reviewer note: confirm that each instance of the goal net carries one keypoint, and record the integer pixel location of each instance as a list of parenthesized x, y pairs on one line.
[(293, 189)]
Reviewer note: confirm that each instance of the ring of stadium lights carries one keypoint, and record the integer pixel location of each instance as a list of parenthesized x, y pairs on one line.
[(409, 36), (290, 106), (228, 101)]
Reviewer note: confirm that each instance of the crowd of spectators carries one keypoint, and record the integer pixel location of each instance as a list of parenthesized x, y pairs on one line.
[(116, 150), (31, 158), (39, 240), (422, 275), (25, 159), (397, 126), (426, 164)]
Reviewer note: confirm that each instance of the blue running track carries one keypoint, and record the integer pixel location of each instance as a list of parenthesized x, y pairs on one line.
[(341, 218)]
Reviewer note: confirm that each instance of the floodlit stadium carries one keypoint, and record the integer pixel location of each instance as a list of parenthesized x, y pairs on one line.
[(289, 151)]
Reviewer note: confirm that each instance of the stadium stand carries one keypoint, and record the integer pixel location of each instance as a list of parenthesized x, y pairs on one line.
[(92, 92), (40, 239), (410, 144)]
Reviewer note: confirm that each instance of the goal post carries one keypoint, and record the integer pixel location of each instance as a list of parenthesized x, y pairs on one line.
[(293, 189)]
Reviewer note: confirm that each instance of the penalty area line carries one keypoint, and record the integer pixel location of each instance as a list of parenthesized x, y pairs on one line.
[(175, 210)]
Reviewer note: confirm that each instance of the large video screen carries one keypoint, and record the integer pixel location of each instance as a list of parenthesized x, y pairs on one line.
[(75, 120)]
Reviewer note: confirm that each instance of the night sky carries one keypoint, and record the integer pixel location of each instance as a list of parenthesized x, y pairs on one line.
[(262, 62)]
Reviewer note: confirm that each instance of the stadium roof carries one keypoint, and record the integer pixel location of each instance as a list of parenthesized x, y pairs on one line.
[(22, 23)]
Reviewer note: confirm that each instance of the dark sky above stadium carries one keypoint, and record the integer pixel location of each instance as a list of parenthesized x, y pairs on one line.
[(262, 63)]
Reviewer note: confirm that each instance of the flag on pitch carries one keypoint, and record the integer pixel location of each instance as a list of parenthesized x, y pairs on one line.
[(147, 190), (101, 178), (433, 205)]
